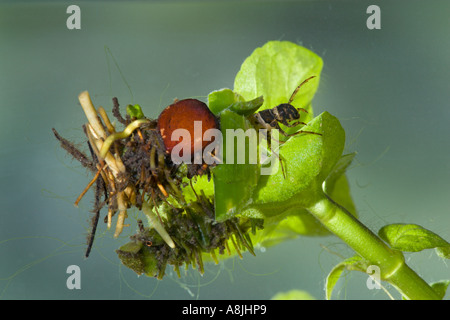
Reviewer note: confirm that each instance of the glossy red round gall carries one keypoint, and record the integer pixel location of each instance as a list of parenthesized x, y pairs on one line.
[(182, 115)]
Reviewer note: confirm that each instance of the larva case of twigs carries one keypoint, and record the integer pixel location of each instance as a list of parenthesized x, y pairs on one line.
[(133, 169)]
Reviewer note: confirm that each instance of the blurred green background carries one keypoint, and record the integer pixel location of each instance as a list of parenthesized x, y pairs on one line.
[(390, 88)]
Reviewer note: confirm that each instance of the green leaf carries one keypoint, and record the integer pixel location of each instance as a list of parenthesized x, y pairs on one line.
[(296, 221), (135, 257), (293, 295), (275, 70), (332, 279), (307, 159), (247, 108), (234, 182), (355, 263), (135, 111), (410, 237), (223, 99), (220, 100), (440, 287)]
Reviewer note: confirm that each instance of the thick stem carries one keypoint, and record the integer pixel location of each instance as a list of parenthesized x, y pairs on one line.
[(370, 247), (411, 284)]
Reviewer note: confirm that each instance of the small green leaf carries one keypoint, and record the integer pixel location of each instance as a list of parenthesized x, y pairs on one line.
[(135, 111), (247, 108), (293, 295), (332, 279), (355, 263), (410, 237), (223, 99), (220, 100), (440, 287), (234, 182), (139, 260)]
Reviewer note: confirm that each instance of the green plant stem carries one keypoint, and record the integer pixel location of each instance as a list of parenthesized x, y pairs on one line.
[(370, 247)]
